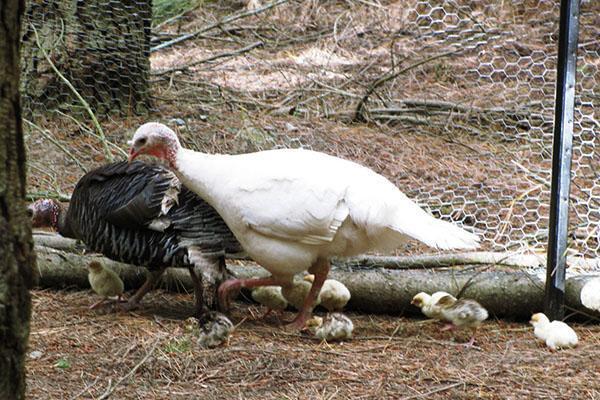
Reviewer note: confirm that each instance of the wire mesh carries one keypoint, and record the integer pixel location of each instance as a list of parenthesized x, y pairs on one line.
[(79, 54), (514, 66), (494, 74)]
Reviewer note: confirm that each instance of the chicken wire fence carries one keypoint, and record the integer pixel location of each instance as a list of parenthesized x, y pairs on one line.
[(85, 55), (514, 67), (79, 55)]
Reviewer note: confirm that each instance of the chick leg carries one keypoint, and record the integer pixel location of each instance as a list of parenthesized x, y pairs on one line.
[(448, 327), (141, 292), (98, 303), (320, 269), (471, 341), (233, 285), (201, 308)]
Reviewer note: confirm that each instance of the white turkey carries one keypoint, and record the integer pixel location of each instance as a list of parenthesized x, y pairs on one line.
[(556, 334), (140, 214), (293, 209)]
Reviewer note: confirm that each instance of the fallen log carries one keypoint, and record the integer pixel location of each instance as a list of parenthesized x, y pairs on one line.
[(516, 260), (374, 290)]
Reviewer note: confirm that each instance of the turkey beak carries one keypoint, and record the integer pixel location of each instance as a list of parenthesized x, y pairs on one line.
[(132, 154)]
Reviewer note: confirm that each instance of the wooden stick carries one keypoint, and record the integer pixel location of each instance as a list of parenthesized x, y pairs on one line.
[(226, 20), (111, 388), (62, 148), (107, 153), (359, 113), (211, 58)]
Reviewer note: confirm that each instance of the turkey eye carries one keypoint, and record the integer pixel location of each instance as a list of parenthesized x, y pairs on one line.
[(141, 141)]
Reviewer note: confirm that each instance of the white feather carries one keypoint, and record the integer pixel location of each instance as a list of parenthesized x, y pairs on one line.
[(334, 295), (556, 334), (590, 294), (336, 326), (429, 304)]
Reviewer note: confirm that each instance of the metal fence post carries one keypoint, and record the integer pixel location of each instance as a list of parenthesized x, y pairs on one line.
[(561, 158)]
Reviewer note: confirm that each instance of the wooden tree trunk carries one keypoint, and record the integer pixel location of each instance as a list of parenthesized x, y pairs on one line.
[(17, 259), (102, 47), (511, 294)]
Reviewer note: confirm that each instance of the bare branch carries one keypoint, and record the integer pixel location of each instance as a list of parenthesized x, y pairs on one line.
[(211, 58), (226, 20)]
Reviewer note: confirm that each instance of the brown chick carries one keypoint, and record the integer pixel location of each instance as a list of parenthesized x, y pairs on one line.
[(105, 282), (215, 329), (462, 313)]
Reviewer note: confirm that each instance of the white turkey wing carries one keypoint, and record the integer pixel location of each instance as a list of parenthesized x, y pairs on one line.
[(299, 211)]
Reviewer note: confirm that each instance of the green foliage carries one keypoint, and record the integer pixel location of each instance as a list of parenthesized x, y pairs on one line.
[(165, 9), (63, 363), (178, 345)]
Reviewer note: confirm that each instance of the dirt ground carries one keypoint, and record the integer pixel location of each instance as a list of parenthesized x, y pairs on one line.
[(301, 89), (149, 355)]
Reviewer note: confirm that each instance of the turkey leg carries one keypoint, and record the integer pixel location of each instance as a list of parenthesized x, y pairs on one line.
[(201, 309), (141, 292), (320, 269), (233, 285)]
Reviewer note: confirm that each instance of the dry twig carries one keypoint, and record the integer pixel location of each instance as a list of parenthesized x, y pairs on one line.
[(84, 103), (111, 388), (211, 58), (226, 20)]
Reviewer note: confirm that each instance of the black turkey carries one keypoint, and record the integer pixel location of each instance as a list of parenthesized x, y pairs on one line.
[(140, 214)]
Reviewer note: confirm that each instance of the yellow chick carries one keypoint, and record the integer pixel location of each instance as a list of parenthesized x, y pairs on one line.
[(314, 323), (590, 294), (336, 326), (215, 329), (334, 294), (296, 293), (462, 313), (429, 304), (271, 297), (105, 282), (556, 334)]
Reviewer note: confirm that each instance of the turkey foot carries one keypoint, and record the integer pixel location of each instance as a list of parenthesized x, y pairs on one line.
[(320, 269)]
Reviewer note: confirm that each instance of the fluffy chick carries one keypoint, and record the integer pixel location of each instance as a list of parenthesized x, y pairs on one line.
[(462, 313), (271, 297), (429, 304), (105, 282), (215, 329), (336, 326), (334, 294), (556, 334), (296, 293), (590, 294)]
